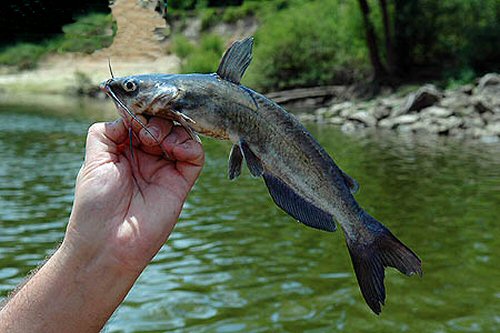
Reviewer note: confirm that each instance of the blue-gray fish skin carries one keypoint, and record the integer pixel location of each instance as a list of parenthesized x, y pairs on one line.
[(300, 175)]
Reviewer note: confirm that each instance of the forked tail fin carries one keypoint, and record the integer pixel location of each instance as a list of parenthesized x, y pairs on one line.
[(370, 255)]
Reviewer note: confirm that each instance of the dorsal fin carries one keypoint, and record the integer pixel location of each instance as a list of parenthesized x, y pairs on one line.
[(236, 60)]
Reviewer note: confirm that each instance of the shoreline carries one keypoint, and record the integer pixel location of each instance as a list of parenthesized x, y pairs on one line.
[(469, 111)]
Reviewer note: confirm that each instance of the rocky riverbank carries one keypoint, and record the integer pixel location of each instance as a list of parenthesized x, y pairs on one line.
[(468, 111)]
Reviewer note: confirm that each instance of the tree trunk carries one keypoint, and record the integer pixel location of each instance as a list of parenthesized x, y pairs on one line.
[(388, 37), (378, 68)]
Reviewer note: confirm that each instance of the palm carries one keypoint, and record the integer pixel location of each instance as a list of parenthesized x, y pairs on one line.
[(140, 197)]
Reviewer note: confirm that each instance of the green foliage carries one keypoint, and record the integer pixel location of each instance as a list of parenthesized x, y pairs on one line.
[(314, 43), (449, 35), (182, 4), (459, 77), (235, 13), (209, 17), (22, 55), (201, 58), (87, 34), (182, 46)]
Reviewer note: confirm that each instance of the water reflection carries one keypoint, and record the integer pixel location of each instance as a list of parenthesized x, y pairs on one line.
[(236, 263)]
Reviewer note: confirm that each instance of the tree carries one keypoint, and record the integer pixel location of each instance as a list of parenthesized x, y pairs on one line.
[(379, 69)]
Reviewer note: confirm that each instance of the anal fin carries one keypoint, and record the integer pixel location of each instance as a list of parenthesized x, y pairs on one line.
[(253, 162), (235, 161), (296, 206), (351, 182)]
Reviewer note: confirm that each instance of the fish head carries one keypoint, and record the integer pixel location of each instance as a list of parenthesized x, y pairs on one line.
[(148, 95)]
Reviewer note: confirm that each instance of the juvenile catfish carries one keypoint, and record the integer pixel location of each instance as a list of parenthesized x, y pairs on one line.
[(301, 177)]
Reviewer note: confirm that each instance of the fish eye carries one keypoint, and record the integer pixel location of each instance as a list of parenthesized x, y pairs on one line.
[(129, 85)]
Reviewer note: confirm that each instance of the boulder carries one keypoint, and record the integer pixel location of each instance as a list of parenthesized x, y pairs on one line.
[(455, 101), (473, 122), (446, 124), (335, 120), (406, 119), (426, 96), (490, 79), (481, 104), (363, 117), (307, 117), (336, 109), (348, 127), (381, 112), (398, 121), (493, 129), (436, 112)]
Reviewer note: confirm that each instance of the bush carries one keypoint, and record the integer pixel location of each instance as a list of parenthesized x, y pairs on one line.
[(87, 34), (182, 46), (315, 43), (451, 36), (22, 55), (201, 58)]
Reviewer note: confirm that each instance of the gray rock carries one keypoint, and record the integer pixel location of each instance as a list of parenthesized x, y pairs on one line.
[(446, 124), (490, 118), (426, 96), (346, 112), (493, 129), (335, 120), (488, 139), (307, 117), (406, 119), (381, 112), (467, 89), (473, 122), (364, 118), (436, 112), (321, 111), (398, 121), (348, 127), (476, 132), (405, 128), (386, 123), (465, 111), (339, 107), (481, 104), (455, 101), (490, 79)]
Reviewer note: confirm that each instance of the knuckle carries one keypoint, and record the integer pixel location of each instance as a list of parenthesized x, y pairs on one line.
[(95, 128)]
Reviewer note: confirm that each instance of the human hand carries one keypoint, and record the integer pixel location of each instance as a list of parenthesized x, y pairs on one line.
[(127, 204)]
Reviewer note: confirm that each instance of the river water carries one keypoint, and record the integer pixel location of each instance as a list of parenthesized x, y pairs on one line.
[(236, 263)]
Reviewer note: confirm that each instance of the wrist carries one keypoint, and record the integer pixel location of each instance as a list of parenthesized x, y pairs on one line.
[(94, 259)]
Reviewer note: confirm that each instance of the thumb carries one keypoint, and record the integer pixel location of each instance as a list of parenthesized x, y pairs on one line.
[(103, 139)]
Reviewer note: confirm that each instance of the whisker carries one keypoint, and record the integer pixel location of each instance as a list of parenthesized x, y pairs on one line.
[(134, 117), (110, 69)]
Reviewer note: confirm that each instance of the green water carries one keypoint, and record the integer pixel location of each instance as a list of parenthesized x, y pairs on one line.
[(236, 263)]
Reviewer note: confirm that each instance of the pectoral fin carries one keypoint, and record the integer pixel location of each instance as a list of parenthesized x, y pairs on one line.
[(351, 182), (298, 207), (253, 162), (235, 161), (236, 60)]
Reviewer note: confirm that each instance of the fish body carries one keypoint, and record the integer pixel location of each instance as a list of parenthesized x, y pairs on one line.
[(300, 175)]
